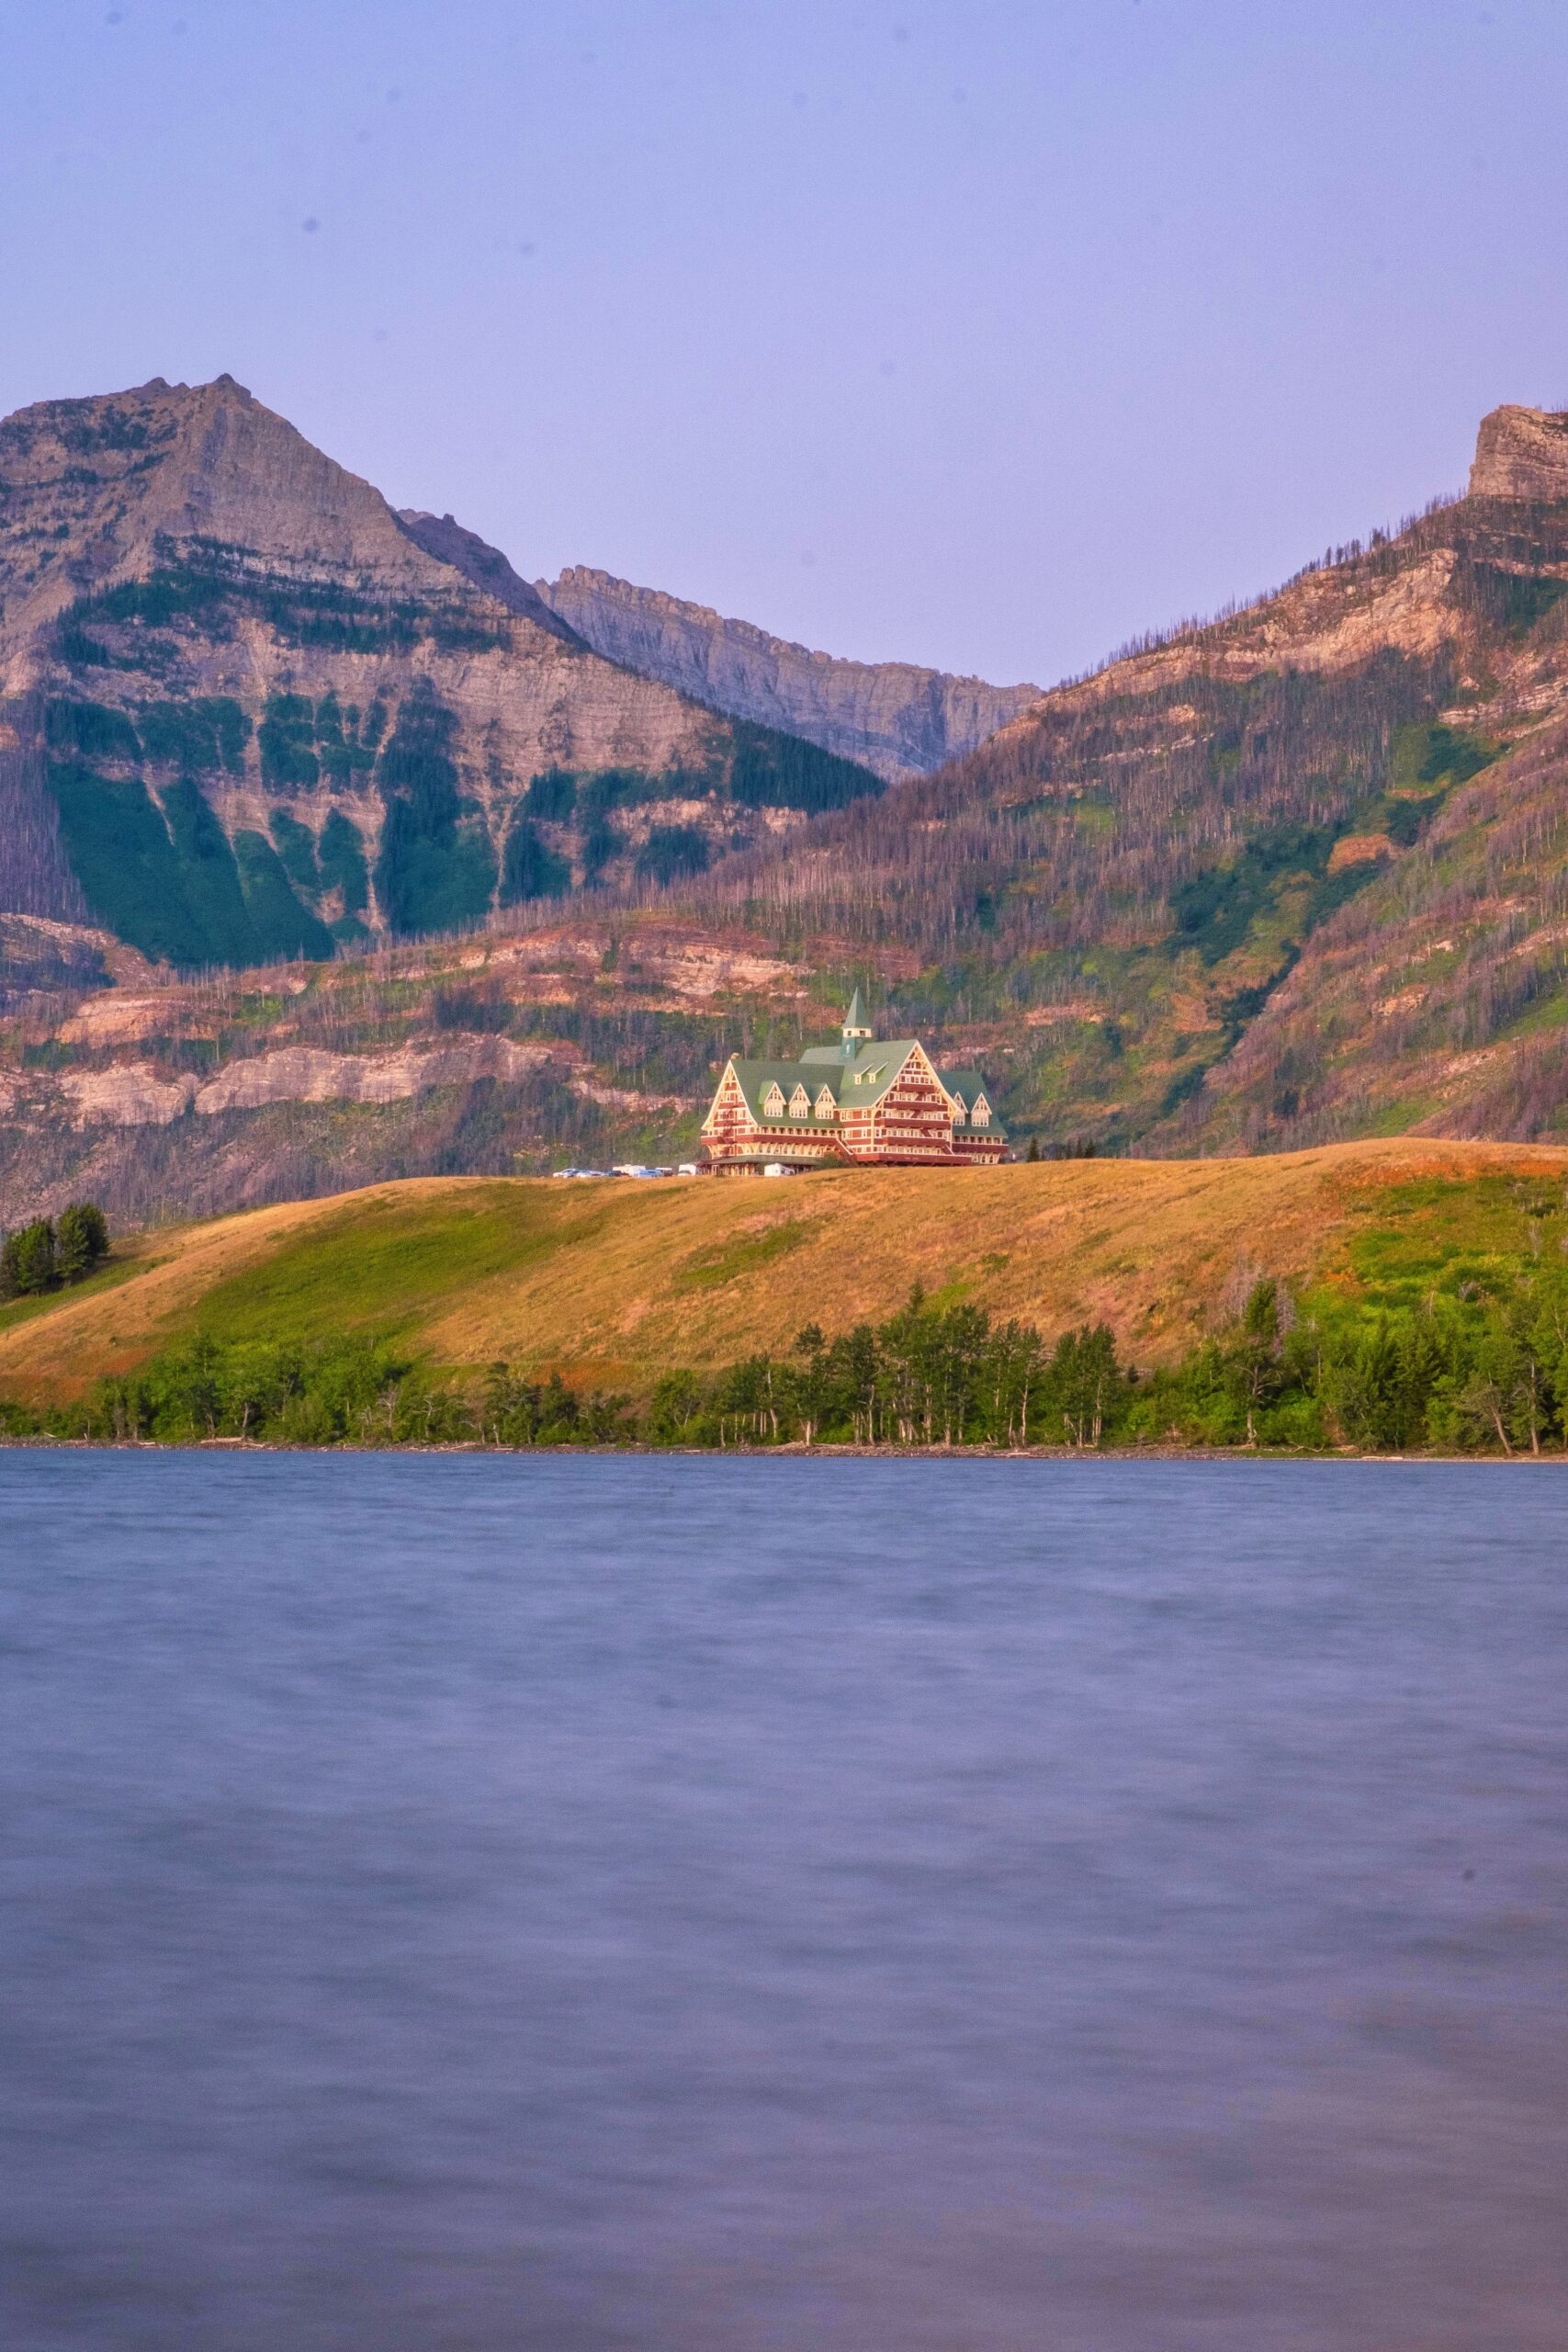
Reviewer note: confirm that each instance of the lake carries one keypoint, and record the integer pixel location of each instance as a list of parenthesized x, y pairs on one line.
[(625, 1904)]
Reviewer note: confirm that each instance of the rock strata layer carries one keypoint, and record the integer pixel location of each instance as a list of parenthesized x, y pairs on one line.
[(900, 720)]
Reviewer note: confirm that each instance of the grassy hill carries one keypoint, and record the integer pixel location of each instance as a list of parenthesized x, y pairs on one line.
[(617, 1283)]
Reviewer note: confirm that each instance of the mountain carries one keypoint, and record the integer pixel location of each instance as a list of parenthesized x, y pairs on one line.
[(1293, 876), (246, 710), (894, 718), (1297, 874)]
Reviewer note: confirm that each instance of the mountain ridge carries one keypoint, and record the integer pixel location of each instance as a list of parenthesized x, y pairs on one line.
[(246, 708), (908, 720), (1293, 876)]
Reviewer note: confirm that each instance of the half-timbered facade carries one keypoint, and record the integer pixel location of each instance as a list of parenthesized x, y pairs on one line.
[(865, 1101)]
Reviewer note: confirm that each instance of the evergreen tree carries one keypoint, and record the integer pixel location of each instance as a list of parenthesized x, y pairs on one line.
[(28, 1261), (82, 1241)]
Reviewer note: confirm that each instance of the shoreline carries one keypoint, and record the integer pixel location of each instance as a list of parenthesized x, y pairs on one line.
[(794, 1452)]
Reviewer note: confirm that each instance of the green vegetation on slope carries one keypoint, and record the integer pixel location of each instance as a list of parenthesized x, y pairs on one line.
[(1477, 1367), (773, 771), (159, 870), (436, 870), (376, 1267), (1422, 1300)]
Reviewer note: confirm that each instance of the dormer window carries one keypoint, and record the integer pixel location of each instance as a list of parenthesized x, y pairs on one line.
[(980, 1117), (772, 1101), (958, 1104), (800, 1103), (825, 1104)]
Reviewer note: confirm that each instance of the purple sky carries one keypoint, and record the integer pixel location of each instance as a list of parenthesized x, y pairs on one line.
[(976, 334)]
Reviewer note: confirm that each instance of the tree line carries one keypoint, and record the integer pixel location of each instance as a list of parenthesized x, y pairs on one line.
[(50, 1253), (1460, 1372)]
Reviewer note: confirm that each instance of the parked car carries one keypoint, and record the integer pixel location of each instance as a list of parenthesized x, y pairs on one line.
[(777, 1168)]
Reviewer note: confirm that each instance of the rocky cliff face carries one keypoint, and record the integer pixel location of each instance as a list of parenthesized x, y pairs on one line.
[(1521, 453), (246, 710), (898, 719)]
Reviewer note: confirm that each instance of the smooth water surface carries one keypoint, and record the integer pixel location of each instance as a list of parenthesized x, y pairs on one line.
[(640, 1905)]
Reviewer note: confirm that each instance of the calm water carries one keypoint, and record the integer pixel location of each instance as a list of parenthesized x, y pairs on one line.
[(619, 1906)]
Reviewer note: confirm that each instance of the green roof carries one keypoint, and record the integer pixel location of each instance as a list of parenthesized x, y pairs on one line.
[(757, 1076), (969, 1082), (857, 1080)]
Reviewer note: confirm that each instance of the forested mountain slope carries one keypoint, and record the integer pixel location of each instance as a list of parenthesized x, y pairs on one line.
[(1299, 874), (247, 711), (894, 717)]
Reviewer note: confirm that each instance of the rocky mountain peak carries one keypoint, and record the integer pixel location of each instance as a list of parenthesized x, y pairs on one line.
[(1521, 453), (95, 486)]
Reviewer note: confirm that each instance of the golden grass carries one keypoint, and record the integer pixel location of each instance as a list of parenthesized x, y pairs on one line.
[(620, 1281)]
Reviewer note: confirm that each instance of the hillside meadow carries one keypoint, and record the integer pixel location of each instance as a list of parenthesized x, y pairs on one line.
[(614, 1284)]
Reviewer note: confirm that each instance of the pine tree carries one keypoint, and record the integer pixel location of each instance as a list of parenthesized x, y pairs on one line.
[(26, 1262), (82, 1241)]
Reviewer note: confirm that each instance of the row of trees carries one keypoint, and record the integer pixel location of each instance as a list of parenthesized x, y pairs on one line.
[(354, 1391), (1455, 1371), (1450, 1373), (52, 1252)]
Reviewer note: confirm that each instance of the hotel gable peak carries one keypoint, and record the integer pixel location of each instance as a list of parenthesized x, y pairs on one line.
[(865, 1102)]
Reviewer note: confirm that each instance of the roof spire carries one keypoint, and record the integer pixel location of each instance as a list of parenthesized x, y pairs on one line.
[(857, 1028)]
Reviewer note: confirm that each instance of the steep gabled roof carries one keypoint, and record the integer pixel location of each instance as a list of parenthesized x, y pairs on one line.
[(755, 1078), (872, 1069), (857, 1083), (970, 1083)]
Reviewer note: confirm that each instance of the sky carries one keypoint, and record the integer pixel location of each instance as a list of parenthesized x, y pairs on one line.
[(960, 331)]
